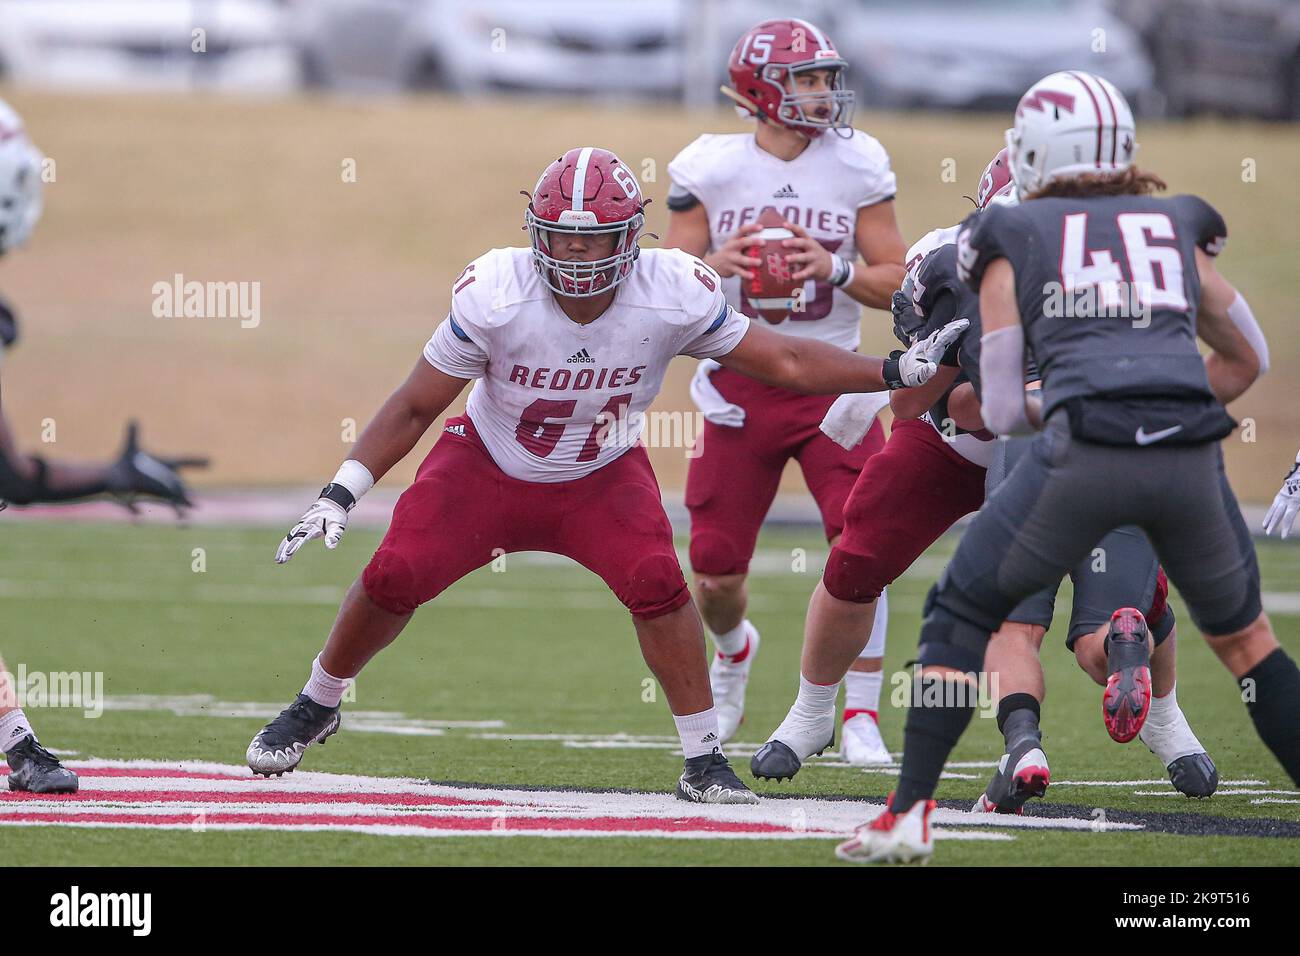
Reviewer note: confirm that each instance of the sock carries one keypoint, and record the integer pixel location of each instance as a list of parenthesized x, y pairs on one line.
[(13, 728), (814, 699), (733, 643), (1271, 690), (323, 688), (1164, 709), (1018, 720), (862, 693), (930, 733), (698, 733)]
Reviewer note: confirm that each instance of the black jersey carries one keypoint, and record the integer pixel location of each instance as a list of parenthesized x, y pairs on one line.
[(1107, 290), (939, 296)]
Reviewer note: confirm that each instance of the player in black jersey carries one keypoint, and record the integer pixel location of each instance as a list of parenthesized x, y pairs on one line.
[(1121, 572), (30, 479), (1109, 287)]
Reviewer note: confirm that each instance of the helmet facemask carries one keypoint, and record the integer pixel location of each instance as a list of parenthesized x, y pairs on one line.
[(582, 279), (21, 197), (794, 109)]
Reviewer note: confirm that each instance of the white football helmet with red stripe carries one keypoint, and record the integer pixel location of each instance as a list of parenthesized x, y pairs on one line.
[(1068, 124), (20, 181)]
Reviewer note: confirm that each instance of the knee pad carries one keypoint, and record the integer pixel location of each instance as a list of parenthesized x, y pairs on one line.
[(656, 587), (949, 639), (854, 577), (716, 554), (389, 581)]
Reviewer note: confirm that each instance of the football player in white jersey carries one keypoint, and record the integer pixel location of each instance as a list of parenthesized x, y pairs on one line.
[(568, 341), (834, 187)]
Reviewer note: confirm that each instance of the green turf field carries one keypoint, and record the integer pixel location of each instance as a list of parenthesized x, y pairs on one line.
[(545, 650)]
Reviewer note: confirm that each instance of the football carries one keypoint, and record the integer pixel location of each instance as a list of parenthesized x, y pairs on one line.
[(772, 290)]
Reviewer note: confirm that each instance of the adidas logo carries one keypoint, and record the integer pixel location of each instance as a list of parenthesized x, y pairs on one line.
[(457, 429), (785, 192), (709, 737), (581, 357)]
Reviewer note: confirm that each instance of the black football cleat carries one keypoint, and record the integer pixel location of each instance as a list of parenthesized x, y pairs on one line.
[(34, 769), (710, 779), (279, 746), (777, 761), (1194, 775), (1021, 775), (1126, 701)]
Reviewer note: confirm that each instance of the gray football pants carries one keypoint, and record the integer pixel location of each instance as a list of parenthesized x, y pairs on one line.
[(1063, 497)]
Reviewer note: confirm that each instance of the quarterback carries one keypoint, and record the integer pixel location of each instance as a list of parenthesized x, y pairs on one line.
[(567, 342), (833, 186)]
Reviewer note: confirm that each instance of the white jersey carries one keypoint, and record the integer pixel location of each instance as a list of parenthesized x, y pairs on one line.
[(821, 190), (556, 400), (974, 450)]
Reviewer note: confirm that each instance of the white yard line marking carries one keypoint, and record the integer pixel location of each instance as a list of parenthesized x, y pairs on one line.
[(1218, 793)]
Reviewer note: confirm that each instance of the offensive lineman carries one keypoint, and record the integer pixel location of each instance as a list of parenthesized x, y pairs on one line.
[(546, 456), (1130, 416), (834, 186)]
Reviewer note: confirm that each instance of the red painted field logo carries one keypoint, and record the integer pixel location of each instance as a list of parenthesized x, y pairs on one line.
[(198, 796), (203, 796)]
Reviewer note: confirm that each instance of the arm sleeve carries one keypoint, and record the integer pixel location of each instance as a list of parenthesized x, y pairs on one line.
[(1002, 366), (453, 351)]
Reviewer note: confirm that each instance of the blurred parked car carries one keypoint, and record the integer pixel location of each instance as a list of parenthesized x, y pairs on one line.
[(983, 54), (1230, 56), (631, 47), (147, 44)]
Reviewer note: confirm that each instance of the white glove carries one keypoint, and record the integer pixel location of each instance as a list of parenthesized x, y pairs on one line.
[(325, 517), (1282, 512), (918, 364), (709, 400), (850, 417)]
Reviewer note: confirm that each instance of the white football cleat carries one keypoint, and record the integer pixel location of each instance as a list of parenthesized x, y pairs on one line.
[(863, 745), (728, 681), (892, 839)]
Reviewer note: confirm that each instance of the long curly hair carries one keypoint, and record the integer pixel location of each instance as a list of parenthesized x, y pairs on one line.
[(1130, 182)]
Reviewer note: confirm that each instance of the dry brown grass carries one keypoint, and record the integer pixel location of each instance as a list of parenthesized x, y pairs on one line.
[(354, 276)]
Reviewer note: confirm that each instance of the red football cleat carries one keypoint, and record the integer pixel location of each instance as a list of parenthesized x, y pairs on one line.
[(1127, 698)]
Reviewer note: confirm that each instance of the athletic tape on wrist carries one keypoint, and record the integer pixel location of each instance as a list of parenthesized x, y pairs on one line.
[(355, 477)]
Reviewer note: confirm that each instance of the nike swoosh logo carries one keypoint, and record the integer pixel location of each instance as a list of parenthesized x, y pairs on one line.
[(1142, 437)]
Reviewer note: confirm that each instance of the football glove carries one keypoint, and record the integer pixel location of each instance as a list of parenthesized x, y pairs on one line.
[(136, 473), (1282, 512), (918, 364), (327, 518)]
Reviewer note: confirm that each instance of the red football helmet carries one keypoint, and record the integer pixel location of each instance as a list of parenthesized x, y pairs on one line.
[(589, 191), (995, 180), (763, 67)]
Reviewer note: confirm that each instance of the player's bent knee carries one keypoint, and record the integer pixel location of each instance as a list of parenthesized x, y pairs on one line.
[(850, 576), (948, 640), (657, 587), (390, 582), (716, 555)]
